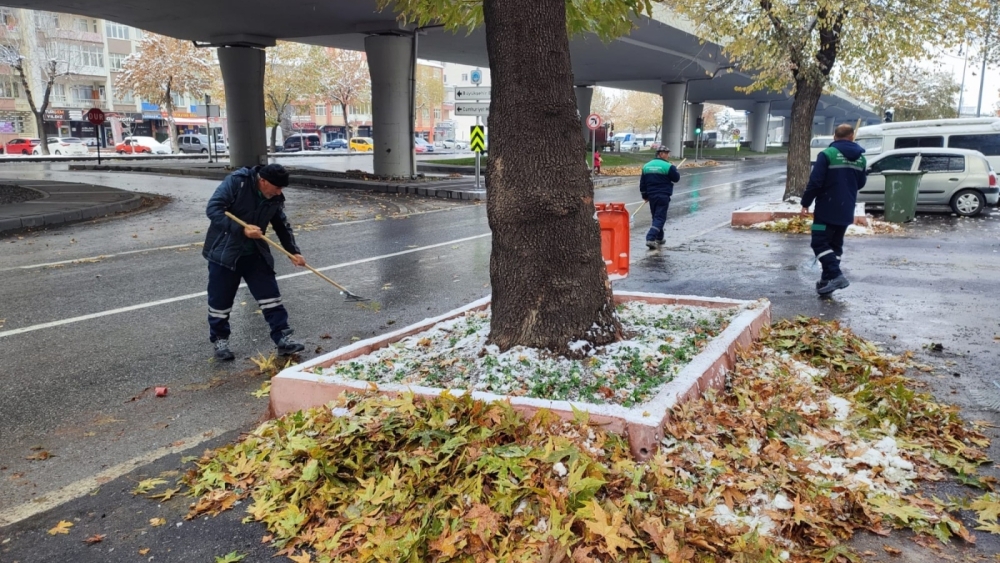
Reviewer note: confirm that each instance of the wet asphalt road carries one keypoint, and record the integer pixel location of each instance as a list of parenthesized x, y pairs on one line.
[(67, 389)]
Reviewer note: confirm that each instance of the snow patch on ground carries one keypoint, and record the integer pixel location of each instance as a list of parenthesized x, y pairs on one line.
[(453, 354)]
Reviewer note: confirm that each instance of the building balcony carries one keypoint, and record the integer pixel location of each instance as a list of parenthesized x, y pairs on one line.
[(79, 104), (73, 35)]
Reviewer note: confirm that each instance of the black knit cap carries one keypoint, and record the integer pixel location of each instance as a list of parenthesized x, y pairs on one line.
[(275, 173)]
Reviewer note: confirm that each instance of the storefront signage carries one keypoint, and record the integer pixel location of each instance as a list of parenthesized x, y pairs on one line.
[(56, 115)]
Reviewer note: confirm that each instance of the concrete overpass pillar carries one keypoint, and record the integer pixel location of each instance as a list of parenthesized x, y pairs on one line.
[(673, 117), (758, 126), (694, 112), (829, 124), (786, 131), (243, 79), (584, 95), (390, 61)]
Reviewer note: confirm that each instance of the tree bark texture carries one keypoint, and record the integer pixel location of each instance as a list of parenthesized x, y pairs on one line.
[(550, 284), (807, 97)]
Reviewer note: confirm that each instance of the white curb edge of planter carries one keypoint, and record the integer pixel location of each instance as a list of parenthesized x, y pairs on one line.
[(651, 413)]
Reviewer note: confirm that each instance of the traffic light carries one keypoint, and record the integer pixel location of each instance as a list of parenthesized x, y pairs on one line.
[(698, 123), (888, 116)]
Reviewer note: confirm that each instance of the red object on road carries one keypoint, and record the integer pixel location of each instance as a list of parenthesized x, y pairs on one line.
[(161, 391), (96, 116), (614, 221)]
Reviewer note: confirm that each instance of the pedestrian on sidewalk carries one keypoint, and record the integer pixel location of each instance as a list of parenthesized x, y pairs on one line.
[(839, 172), (657, 186), (234, 253), (597, 162)]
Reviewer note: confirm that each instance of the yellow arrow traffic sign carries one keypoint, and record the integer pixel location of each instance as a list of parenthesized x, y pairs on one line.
[(477, 138)]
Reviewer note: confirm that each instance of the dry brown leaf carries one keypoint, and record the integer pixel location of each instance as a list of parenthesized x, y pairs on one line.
[(96, 538)]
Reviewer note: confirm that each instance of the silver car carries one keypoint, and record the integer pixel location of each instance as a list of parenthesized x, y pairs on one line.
[(956, 178), (198, 144)]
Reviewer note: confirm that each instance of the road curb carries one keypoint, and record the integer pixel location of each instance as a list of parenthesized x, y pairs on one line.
[(426, 189), (67, 216)]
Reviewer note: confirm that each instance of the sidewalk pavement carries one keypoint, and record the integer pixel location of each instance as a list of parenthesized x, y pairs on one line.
[(64, 202)]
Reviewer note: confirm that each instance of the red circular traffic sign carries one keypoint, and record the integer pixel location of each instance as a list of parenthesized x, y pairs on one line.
[(96, 116), (594, 121)]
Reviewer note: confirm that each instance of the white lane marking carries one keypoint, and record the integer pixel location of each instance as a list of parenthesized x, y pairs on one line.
[(190, 244), (84, 486), (101, 257), (100, 314)]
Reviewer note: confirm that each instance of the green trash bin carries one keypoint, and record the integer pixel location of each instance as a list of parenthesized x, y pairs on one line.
[(901, 187)]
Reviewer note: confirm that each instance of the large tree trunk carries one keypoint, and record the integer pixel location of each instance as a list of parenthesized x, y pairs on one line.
[(347, 122), (807, 97), (550, 285)]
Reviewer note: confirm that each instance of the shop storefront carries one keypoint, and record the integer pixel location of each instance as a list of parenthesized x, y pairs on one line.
[(14, 124), (124, 124)]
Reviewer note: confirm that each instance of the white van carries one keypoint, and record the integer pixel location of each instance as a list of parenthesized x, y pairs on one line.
[(818, 145), (972, 133)]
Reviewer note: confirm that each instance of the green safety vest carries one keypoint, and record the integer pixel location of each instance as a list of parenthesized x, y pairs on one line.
[(838, 160)]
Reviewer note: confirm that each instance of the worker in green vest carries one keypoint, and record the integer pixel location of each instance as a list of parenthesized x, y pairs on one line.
[(657, 187)]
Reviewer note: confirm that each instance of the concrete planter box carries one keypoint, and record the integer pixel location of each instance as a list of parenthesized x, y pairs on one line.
[(764, 212), (297, 388)]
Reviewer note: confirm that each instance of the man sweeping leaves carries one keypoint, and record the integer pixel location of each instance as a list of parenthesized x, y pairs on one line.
[(235, 252)]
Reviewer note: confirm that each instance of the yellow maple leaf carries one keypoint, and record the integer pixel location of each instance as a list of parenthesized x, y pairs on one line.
[(988, 507), (154, 522), (61, 528), (304, 558), (993, 528), (144, 551), (608, 531)]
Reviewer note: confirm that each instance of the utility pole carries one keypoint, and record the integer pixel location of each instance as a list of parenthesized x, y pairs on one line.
[(961, 95)]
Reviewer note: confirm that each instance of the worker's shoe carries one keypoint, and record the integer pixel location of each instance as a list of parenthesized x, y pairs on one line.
[(222, 351), (826, 287), (651, 244), (287, 346)]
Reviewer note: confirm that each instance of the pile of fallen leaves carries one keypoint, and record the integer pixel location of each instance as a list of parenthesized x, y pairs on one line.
[(621, 170), (798, 225), (818, 435)]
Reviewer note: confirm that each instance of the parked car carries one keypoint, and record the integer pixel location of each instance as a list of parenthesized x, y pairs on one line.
[(197, 143), (421, 145), (335, 144), (22, 146), (631, 146), (971, 133), (302, 142), (957, 178), (362, 144), (141, 145), (60, 146), (452, 144), (818, 145)]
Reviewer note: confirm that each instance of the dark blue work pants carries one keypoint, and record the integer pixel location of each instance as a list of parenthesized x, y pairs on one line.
[(658, 206), (223, 284), (828, 245)]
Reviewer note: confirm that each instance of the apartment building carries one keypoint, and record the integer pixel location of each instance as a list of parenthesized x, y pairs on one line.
[(89, 53), (327, 118)]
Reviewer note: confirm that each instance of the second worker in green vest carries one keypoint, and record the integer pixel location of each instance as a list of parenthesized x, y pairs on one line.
[(657, 186)]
